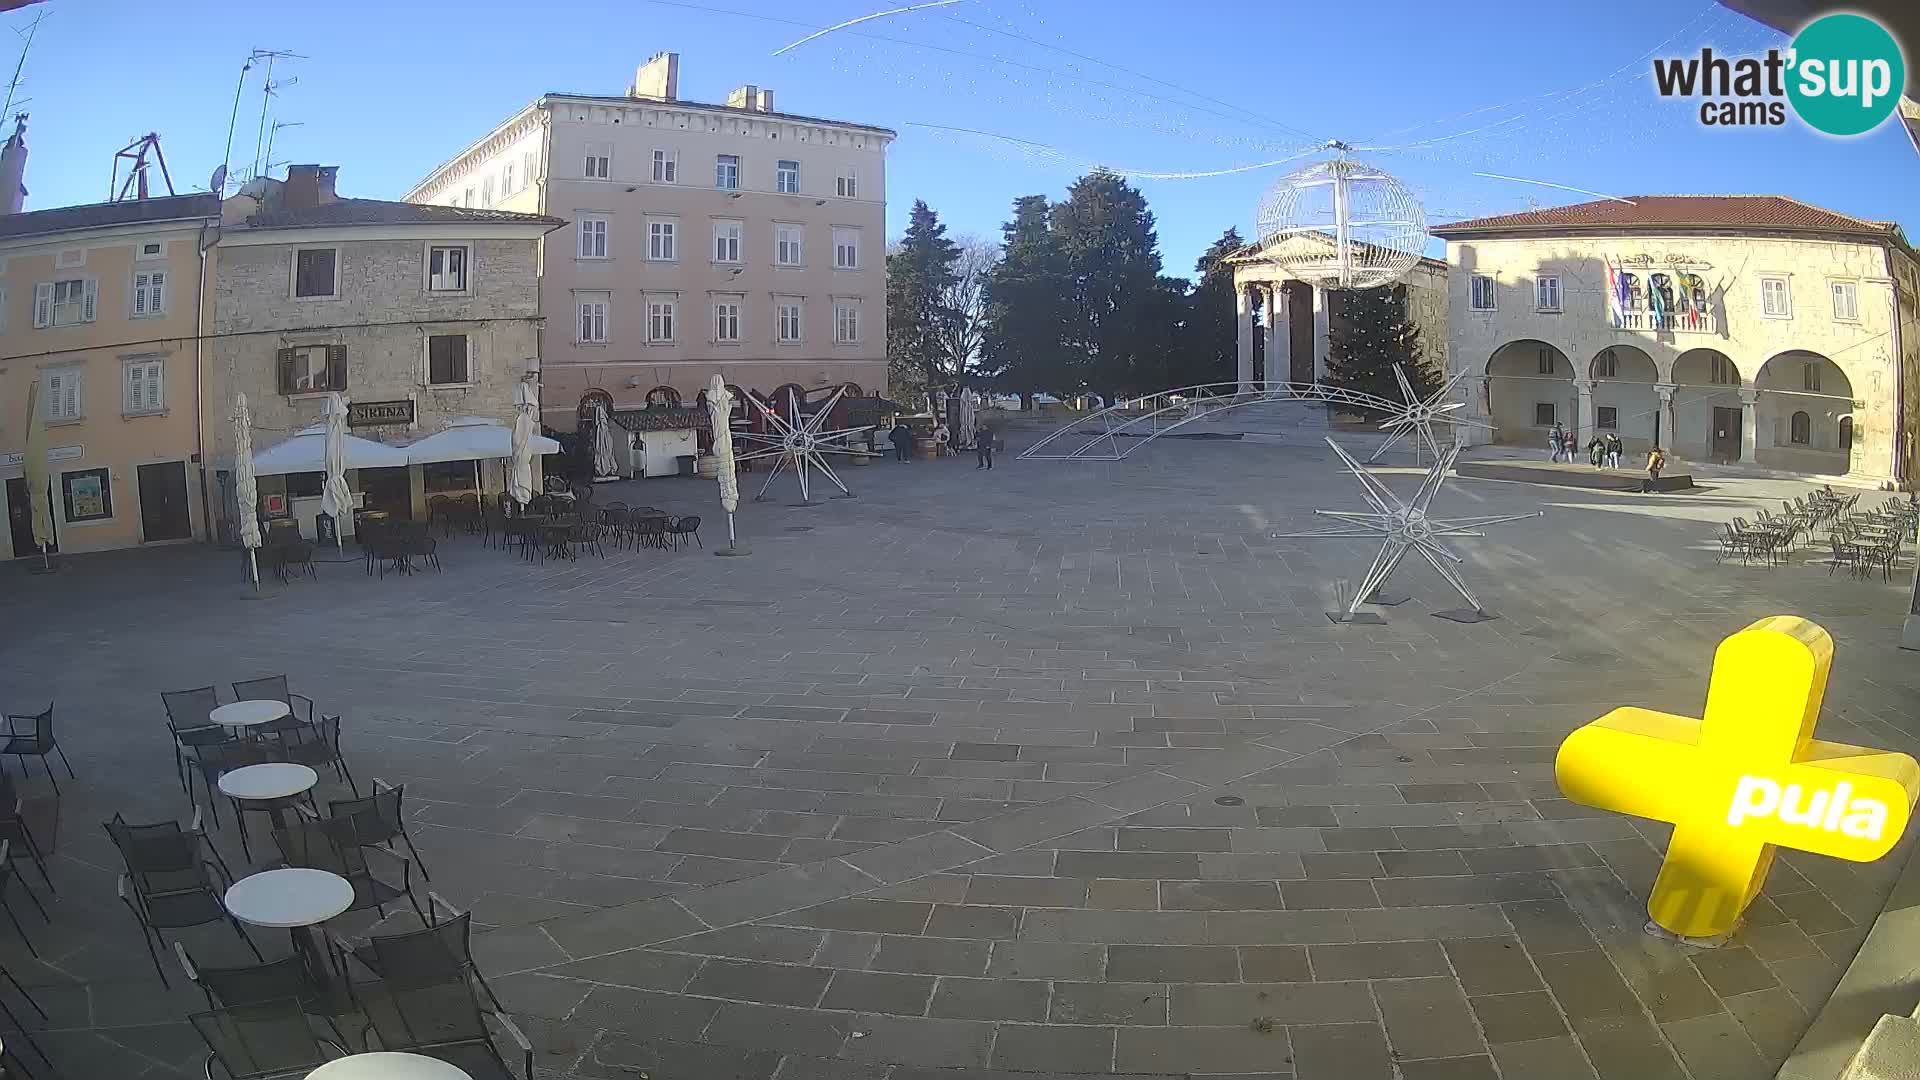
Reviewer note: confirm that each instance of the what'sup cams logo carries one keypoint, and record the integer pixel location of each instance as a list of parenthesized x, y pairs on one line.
[(1842, 75)]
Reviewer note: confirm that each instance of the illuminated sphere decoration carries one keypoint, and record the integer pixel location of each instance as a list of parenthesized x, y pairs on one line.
[(1342, 224)]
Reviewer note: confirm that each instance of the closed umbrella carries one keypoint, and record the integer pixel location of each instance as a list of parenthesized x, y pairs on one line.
[(34, 470), (604, 467), (963, 435), (244, 493), (720, 412), (520, 459), (335, 500)]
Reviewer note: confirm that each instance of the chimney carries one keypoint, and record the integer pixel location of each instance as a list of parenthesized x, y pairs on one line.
[(658, 78), (308, 186), (13, 168), (752, 98)]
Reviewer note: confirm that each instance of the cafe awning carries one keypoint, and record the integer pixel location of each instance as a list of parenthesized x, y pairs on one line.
[(473, 438), (307, 450)]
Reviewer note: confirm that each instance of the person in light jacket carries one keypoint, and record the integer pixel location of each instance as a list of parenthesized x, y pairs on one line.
[(1557, 441)]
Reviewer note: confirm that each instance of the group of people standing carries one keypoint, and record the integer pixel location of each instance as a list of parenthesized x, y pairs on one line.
[(902, 439), (1601, 452)]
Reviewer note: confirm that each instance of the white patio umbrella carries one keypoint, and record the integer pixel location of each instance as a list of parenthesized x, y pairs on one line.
[(720, 412), (520, 448), (34, 471), (335, 499), (604, 467), (245, 494)]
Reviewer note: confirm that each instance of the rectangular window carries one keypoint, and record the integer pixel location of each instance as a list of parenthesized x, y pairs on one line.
[(1547, 293), (660, 240), (63, 303), (846, 249), (1543, 414), (527, 166), (847, 183), (63, 395), (313, 273), (846, 323), (506, 179), (593, 318), (312, 369), (486, 192), (149, 293), (666, 167), (726, 241), (447, 360), (1722, 373), (660, 320), (447, 268), (1775, 301), (1810, 378), (1607, 417), (786, 177), (152, 250), (786, 245), (726, 321), (1846, 306), (1606, 365), (593, 238), (788, 318), (599, 163), (726, 172), (86, 495), (1545, 366), (1481, 298), (145, 387)]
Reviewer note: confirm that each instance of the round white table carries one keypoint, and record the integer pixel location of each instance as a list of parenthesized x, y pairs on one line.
[(387, 1066), (293, 899), (263, 782), (246, 714)]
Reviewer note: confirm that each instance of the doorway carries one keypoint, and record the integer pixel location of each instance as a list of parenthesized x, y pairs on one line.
[(20, 519), (163, 503), (1725, 447), (389, 491)]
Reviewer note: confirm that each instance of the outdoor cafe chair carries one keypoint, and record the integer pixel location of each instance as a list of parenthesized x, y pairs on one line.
[(329, 844), (295, 558), (13, 827), (187, 712), (285, 979), (274, 688), (650, 530), (169, 884), (6, 878), (442, 1019), (36, 741), (213, 761), (431, 954), (377, 819), (270, 1041), (316, 747), (682, 527), (425, 548)]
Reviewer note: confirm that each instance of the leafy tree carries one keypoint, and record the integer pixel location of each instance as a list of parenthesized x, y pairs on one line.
[(1025, 310), (1212, 339), (1369, 335), (962, 335), (919, 272), (1110, 253)]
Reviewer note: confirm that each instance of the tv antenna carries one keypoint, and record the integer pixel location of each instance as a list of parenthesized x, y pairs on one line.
[(268, 87), (271, 135), (137, 153)]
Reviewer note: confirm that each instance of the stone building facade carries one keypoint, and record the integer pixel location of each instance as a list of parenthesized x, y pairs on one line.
[(703, 238), (1754, 329), (420, 315)]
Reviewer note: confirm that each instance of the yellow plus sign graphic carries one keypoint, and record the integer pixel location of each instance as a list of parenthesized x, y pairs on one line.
[(1745, 778)]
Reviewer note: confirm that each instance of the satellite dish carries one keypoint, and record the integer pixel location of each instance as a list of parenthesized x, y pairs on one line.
[(218, 184)]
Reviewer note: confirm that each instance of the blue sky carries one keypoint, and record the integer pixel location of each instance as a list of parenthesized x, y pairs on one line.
[(1551, 92)]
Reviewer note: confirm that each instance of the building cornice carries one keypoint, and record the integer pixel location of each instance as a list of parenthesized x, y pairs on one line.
[(461, 164), (334, 234)]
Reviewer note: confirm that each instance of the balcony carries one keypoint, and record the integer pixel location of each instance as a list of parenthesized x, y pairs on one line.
[(1672, 322)]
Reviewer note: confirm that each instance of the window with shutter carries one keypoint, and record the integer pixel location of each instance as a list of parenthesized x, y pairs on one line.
[(43, 304), (144, 381), (149, 293), (313, 274), (63, 396), (446, 269), (447, 360), (336, 367)]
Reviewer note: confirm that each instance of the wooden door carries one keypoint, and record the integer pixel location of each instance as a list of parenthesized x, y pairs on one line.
[(164, 513), (1725, 445)]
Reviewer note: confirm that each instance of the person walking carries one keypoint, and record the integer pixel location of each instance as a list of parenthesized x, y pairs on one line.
[(1557, 441), (983, 446), (1656, 460), (1615, 448), (1573, 447), (902, 439), (1597, 452)]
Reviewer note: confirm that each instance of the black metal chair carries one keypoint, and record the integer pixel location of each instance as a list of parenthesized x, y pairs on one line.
[(316, 747), (328, 844), (274, 688), (682, 527), (13, 827), (377, 819), (6, 877), (37, 741), (167, 885), (187, 712), (285, 979), (442, 1019), (212, 761), (260, 1042), (434, 953)]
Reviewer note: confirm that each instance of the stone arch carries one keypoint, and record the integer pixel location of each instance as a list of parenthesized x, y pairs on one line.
[(1709, 415), (1802, 381), (1624, 402), (1529, 388)]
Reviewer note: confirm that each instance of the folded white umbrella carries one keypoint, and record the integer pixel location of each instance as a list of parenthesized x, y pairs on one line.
[(526, 411), (34, 470), (245, 494)]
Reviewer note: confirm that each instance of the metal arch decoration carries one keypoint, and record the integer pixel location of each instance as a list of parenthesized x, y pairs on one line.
[(1418, 416), (800, 442), (1403, 526), (1146, 419)]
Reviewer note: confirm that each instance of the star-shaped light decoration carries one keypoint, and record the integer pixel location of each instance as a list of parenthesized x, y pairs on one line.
[(802, 444), (1405, 526), (1419, 415)]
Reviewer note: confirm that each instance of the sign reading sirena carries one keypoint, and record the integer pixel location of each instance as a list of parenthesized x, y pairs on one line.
[(379, 413)]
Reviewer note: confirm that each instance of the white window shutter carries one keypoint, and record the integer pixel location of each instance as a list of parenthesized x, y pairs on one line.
[(86, 311), (70, 399), (43, 303), (56, 386), (156, 291)]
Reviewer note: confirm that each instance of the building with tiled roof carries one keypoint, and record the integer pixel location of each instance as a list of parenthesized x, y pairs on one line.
[(1752, 329)]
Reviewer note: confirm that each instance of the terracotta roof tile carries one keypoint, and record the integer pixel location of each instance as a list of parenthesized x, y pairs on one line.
[(386, 212), (100, 215), (1677, 211)]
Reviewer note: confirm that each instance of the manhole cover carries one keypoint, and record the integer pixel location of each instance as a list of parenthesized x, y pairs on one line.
[(1230, 800)]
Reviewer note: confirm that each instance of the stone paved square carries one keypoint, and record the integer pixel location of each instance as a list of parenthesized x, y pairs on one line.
[(1054, 770)]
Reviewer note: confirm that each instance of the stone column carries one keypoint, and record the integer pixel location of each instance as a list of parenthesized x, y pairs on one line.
[(1322, 340), (1279, 334), (1583, 428), (1749, 426), (1243, 344), (1667, 434)]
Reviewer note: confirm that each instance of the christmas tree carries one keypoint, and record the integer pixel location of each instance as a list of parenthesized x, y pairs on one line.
[(1369, 335)]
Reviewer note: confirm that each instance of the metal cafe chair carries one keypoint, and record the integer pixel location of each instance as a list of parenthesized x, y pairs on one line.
[(6, 877), (442, 1019), (224, 758), (167, 885), (316, 747), (13, 827), (37, 741), (285, 979), (431, 954), (376, 820), (328, 844), (187, 712), (274, 688), (270, 1041)]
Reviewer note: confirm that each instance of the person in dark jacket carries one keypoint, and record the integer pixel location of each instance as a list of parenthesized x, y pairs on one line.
[(983, 445), (902, 439)]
